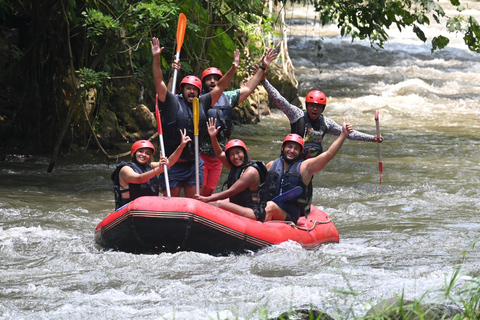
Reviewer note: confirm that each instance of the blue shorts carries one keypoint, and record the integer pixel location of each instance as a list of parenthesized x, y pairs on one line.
[(180, 174)]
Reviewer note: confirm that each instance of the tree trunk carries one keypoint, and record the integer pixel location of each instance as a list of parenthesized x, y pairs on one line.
[(287, 65)]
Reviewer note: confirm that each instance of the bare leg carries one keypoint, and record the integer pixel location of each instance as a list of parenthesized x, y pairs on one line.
[(235, 208), (189, 191), (274, 212), (206, 191), (175, 192)]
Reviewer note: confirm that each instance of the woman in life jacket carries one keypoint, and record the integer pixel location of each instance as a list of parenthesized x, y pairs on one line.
[(243, 180), (139, 177)]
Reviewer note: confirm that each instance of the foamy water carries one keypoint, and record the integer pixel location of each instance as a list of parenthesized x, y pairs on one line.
[(406, 236)]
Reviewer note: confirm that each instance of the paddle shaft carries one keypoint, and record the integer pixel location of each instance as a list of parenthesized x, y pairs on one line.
[(380, 162), (175, 71), (196, 120), (182, 24), (165, 168), (197, 169), (162, 147)]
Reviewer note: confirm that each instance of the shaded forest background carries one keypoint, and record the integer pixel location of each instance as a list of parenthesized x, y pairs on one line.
[(76, 74)]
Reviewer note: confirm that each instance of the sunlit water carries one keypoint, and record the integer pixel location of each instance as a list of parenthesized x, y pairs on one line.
[(405, 236)]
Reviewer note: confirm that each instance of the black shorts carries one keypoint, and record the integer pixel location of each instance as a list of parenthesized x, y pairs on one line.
[(259, 211), (291, 210)]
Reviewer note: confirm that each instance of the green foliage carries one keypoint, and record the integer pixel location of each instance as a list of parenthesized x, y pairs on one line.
[(419, 33), (222, 48), (149, 16), (457, 23), (90, 78), (472, 36), (439, 42), (107, 42), (371, 19), (97, 23)]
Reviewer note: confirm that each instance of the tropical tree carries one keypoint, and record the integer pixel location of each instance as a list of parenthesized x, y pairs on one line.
[(60, 50), (371, 19), (54, 53)]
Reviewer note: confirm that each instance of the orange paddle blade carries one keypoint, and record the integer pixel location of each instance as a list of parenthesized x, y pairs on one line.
[(182, 25)]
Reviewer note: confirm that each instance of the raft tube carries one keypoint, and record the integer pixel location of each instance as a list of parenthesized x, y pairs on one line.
[(158, 224)]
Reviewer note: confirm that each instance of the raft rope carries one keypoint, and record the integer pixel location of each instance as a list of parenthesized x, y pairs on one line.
[(315, 222)]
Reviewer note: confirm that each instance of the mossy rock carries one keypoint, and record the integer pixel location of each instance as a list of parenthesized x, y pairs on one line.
[(399, 309), (109, 128), (303, 314)]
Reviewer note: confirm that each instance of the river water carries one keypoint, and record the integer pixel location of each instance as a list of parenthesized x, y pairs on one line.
[(406, 236)]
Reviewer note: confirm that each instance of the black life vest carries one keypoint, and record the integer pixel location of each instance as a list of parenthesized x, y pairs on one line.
[(278, 182), (149, 188), (184, 120), (312, 132), (245, 198), (222, 111)]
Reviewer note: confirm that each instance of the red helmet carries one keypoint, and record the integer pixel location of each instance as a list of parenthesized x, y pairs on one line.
[(142, 144), (236, 143), (194, 81), (211, 70), (294, 138), (316, 96)]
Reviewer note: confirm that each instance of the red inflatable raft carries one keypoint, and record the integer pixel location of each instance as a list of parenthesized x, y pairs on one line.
[(157, 224)]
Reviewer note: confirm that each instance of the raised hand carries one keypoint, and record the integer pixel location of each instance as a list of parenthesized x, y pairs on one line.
[(176, 65), (347, 128), (212, 127), (185, 139), (269, 57), (377, 139), (155, 44), (255, 69), (236, 58)]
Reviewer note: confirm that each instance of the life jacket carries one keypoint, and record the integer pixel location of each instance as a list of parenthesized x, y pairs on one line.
[(278, 182), (149, 188), (245, 198), (312, 133), (222, 111), (184, 120)]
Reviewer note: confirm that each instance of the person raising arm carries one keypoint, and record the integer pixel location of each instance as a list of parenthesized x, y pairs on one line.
[(243, 180), (139, 177), (311, 124), (290, 171)]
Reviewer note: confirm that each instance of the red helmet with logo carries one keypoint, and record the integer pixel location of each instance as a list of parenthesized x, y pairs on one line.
[(194, 81), (142, 144), (211, 70), (294, 138), (236, 143), (316, 96)]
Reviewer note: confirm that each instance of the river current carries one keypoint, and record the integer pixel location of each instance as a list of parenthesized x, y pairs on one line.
[(406, 236)]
